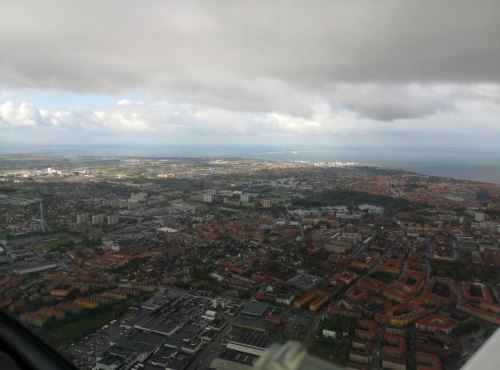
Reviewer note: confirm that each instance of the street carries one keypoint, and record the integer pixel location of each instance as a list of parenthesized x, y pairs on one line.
[(213, 348)]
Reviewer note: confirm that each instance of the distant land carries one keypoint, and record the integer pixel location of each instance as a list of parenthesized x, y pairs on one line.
[(465, 164)]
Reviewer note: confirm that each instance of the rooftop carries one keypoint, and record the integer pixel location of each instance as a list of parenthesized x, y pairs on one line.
[(255, 308), (304, 281)]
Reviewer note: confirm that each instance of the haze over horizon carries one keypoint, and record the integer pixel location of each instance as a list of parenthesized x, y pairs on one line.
[(322, 73)]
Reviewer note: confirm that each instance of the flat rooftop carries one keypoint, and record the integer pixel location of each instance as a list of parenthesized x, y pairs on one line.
[(255, 308), (239, 357), (304, 281), (251, 338), (143, 342)]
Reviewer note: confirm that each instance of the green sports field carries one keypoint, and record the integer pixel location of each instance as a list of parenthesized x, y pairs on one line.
[(65, 334)]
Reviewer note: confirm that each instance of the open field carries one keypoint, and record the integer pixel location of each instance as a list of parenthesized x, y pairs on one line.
[(39, 239), (53, 243), (65, 334)]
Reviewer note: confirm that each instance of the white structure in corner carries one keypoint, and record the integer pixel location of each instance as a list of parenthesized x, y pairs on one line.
[(373, 210)]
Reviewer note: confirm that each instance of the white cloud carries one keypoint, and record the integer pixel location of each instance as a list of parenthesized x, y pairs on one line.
[(24, 114), (343, 108), (347, 109)]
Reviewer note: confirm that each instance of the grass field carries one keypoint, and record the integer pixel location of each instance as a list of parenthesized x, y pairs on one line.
[(48, 244), (25, 194), (65, 334), (382, 276), (203, 284), (336, 351), (38, 238)]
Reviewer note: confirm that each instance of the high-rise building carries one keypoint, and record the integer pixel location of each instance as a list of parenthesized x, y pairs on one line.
[(82, 218), (97, 219), (122, 203), (138, 197), (133, 205), (113, 219)]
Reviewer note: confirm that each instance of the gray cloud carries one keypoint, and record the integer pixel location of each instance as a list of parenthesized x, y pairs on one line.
[(255, 56), (391, 102), (329, 72)]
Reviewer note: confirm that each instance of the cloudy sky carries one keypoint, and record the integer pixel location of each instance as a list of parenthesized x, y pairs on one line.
[(337, 73)]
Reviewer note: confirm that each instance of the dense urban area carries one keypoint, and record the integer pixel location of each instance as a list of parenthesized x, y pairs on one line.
[(206, 263)]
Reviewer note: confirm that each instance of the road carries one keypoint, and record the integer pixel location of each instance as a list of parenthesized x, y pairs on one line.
[(456, 252), (382, 256), (429, 264), (377, 348), (212, 349), (460, 293)]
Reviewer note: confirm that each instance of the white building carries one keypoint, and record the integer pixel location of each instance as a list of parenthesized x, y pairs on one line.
[(113, 219), (133, 205), (479, 216), (267, 203), (139, 197), (373, 210), (82, 218), (97, 219)]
